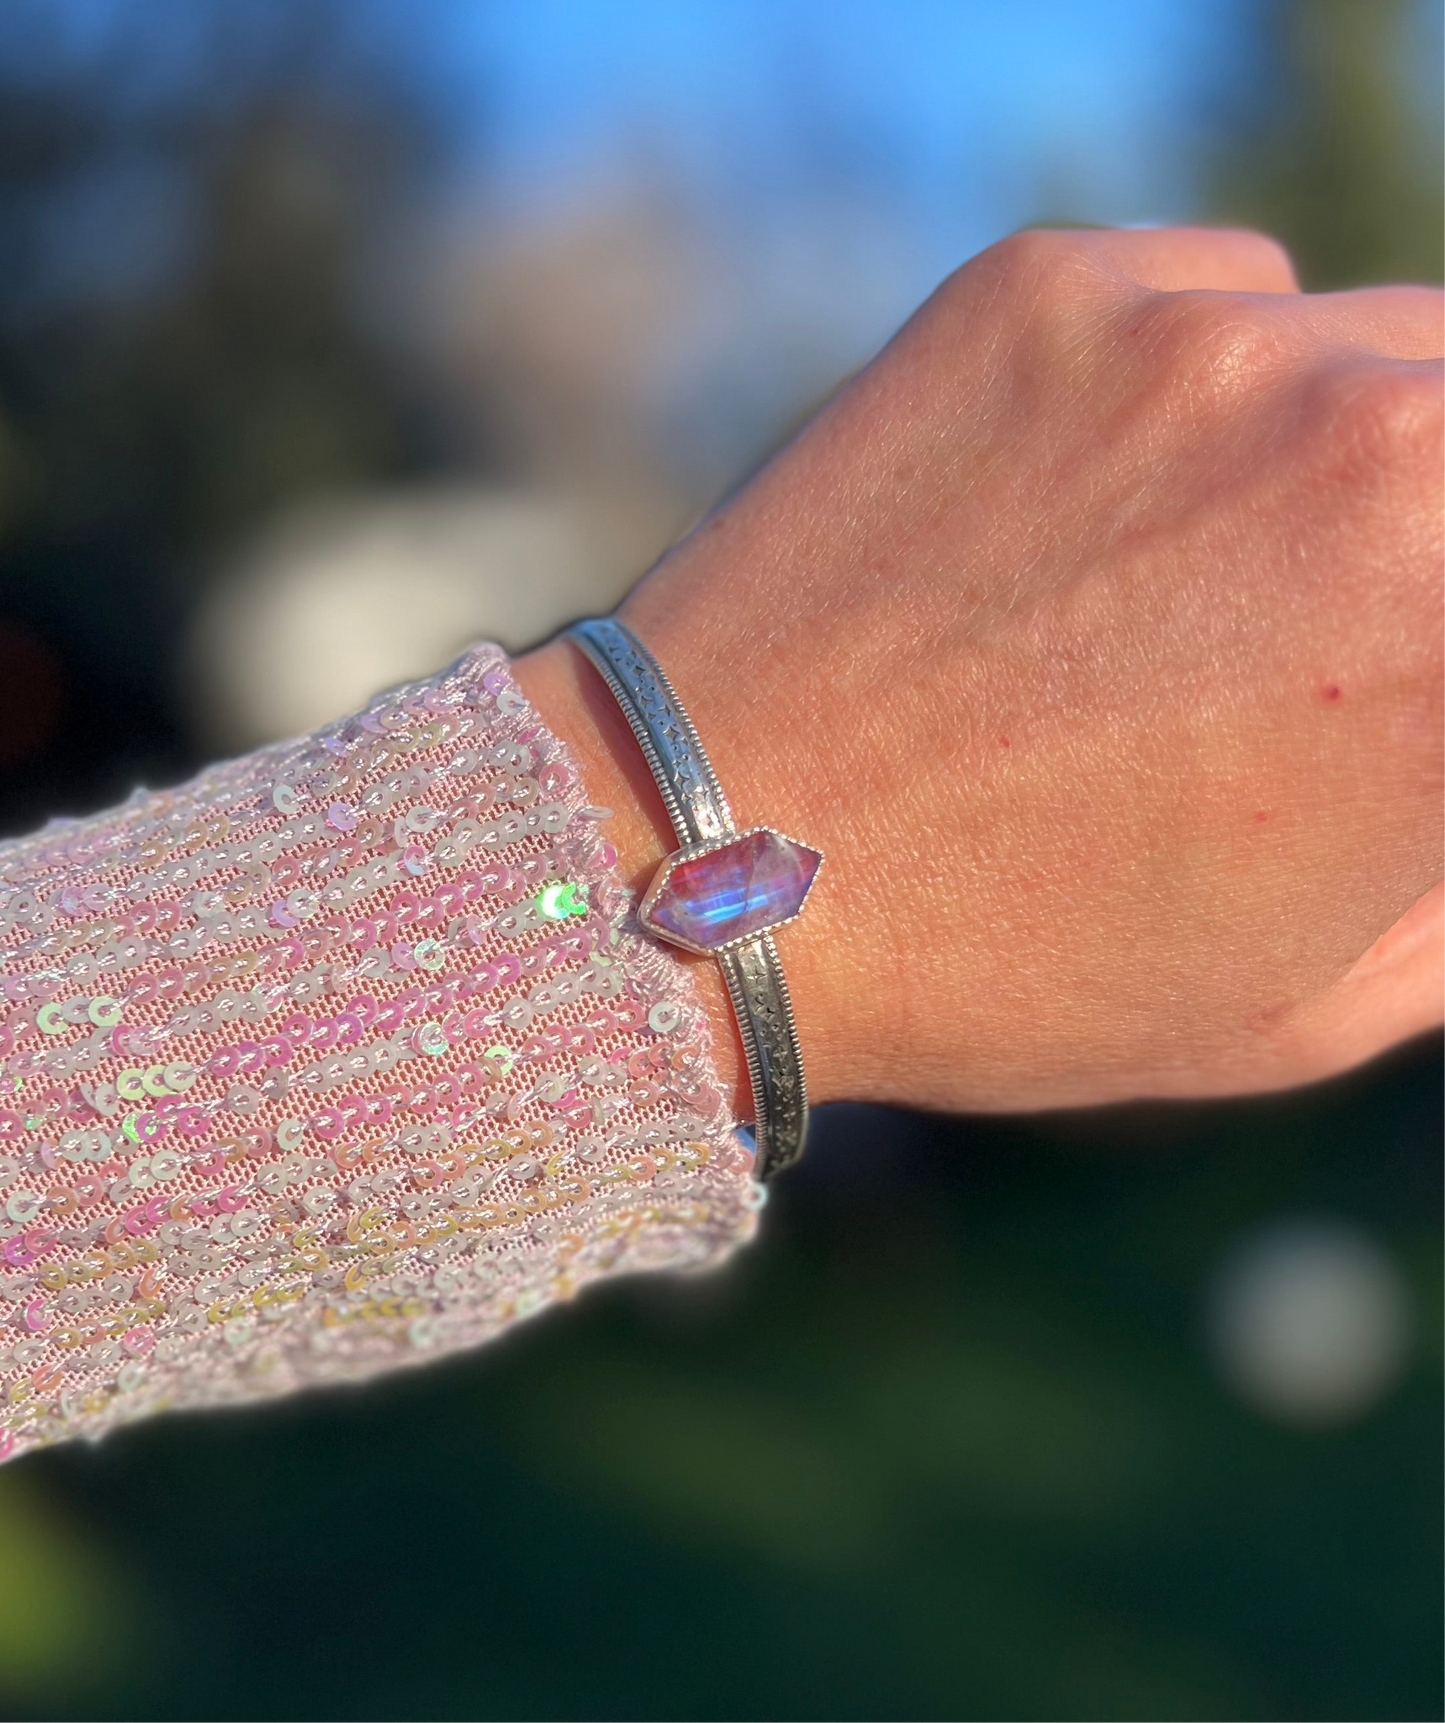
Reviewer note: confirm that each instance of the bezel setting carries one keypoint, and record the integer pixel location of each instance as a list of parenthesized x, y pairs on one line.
[(692, 852)]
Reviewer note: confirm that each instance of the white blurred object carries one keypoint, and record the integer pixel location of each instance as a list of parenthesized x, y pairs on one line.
[(1309, 1322), (337, 600)]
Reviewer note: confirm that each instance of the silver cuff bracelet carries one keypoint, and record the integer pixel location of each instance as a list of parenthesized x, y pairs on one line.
[(723, 890)]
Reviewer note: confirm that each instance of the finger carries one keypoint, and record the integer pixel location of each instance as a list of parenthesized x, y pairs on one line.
[(1174, 259), (1396, 322), (1394, 991)]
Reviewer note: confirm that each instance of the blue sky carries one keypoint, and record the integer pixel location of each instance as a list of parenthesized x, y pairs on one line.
[(964, 117), (840, 156), (916, 73)]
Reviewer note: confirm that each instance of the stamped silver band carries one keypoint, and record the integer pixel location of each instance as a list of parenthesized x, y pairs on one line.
[(701, 817)]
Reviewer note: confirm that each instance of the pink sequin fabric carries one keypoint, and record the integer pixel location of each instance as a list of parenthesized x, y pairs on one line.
[(343, 1056)]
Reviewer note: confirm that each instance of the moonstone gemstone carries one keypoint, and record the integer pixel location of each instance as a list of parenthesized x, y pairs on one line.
[(740, 889)]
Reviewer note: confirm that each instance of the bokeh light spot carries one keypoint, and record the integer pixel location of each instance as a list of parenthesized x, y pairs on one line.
[(1309, 1322)]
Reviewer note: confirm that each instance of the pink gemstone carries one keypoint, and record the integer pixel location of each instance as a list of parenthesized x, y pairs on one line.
[(736, 891)]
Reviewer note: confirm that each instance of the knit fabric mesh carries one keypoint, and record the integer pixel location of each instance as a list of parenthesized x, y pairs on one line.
[(344, 1055)]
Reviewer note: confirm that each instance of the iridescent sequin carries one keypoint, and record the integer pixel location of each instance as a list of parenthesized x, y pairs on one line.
[(345, 1054)]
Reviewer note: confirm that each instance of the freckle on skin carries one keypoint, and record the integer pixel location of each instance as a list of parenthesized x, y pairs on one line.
[(903, 473)]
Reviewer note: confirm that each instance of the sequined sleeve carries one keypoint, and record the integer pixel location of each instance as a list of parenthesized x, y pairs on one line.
[(343, 1056)]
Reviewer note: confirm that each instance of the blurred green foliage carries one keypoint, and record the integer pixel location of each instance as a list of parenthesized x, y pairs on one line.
[(1342, 160), (61, 1603), (946, 1443)]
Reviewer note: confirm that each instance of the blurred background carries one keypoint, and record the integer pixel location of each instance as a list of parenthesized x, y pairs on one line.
[(334, 335)]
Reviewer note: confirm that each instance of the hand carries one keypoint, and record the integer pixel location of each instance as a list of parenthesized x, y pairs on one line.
[(1093, 632)]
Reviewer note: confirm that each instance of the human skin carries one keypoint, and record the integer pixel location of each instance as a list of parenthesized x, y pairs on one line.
[(1093, 632)]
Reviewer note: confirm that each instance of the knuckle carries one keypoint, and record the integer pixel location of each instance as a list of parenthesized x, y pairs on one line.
[(1378, 423), (1035, 270), (1035, 250), (1032, 287), (1213, 349)]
